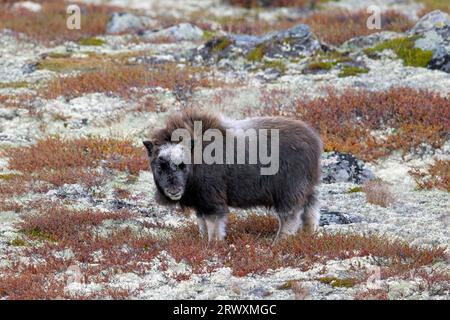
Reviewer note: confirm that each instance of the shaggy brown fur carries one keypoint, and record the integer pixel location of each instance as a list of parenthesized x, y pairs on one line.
[(210, 189)]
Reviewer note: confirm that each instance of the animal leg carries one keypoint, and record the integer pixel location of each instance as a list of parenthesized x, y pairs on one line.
[(311, 214), (201, 225), (289, 223), (216, 224)]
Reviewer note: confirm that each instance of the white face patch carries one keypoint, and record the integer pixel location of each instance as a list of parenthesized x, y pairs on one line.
[(175, 153)]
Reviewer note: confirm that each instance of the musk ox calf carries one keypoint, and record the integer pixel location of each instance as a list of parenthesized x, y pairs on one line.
[(210, 163)]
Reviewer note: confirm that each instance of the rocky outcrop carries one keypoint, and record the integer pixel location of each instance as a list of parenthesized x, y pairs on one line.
[(344, 167), (433, 34), (294, 42)]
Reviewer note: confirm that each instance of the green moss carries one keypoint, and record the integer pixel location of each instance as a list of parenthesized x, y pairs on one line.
[(57, 55), (326, 61), (287, 285), (257, 54), (18, 242), (321, 65), (40, 235), (92, 42), (221, 44), (355, 190), (349, 71), (8, 176), (276, 64), (405, 50), (338, 283), (14, 85), (209, 35)]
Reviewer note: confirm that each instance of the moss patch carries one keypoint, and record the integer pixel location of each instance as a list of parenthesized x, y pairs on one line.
[(220, 44), (321, 65), (275, 64), (355, 190), (8, 176), (14, 85), (209, 35), (326, 61), (257, 54), (405, 50), (91, 42), (348, 71), (18, 242), (37, 234), (287, 285), (338, 283)]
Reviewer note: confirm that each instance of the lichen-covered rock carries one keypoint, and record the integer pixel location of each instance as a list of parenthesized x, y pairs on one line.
[(431, 21), (433, 32), (179, 32), (298, 41), (371, 40), (344, 167), (127, 22), (336, 217)]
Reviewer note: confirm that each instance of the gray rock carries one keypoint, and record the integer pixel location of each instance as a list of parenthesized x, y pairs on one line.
[(434, 35), (371, 40), (294, 42), (335, 217), (127, 22), (297, 41), (179, 32), (431, 21), (342, 167)]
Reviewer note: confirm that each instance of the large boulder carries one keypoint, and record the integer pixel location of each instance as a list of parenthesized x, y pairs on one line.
[(179, 32), (433, 34), (298, 41), (344, 167)]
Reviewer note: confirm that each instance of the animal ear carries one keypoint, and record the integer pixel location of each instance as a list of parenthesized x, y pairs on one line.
[(149, 146)]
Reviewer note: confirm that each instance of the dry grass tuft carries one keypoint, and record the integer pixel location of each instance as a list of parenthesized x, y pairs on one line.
[(436, 176), (378, 192), (124, 80)]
